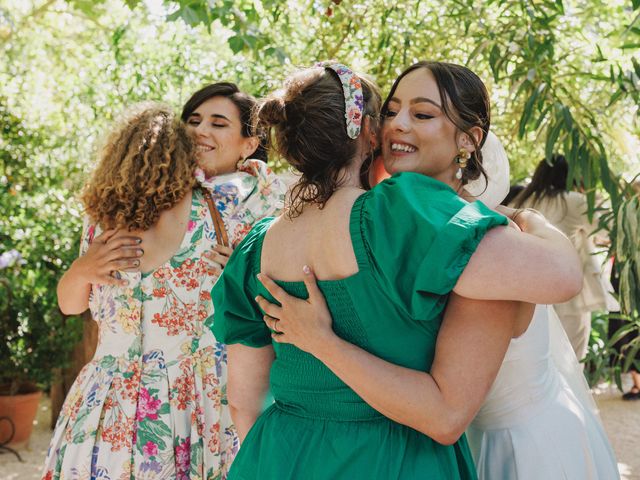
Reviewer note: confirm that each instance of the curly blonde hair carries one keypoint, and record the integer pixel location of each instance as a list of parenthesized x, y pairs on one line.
[(145, 166)]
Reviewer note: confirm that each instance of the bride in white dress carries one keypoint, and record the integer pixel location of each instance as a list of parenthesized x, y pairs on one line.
[(538, 420)]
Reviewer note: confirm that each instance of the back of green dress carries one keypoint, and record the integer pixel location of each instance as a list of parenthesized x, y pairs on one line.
[(412, 237)]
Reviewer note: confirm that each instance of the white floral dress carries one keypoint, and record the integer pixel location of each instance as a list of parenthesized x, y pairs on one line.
[(152, 402)]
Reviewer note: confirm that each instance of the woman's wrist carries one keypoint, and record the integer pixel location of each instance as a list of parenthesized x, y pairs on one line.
[(326, 345), (78, 271)]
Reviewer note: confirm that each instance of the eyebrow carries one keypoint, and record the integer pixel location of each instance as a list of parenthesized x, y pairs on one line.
[(416, 100), (213, 115)]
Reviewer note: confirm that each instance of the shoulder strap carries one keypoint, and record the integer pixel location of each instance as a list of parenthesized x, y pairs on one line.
[(218, 223)]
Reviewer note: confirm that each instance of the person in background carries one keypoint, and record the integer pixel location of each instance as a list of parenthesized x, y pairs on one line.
[(514, 191), (567, 210)]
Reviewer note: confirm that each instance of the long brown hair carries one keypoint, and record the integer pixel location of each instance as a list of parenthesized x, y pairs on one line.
[(465, 102), (549, 180), (305, 122), (145, 166)]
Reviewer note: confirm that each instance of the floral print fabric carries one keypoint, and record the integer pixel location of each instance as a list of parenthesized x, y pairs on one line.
[(152, 402)]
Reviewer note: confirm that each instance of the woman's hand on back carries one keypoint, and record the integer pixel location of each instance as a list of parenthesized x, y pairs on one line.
[(106, 254), (307, 324)]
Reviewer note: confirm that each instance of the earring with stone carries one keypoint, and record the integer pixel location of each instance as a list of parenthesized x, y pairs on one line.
[(240, 163), (462, 159)]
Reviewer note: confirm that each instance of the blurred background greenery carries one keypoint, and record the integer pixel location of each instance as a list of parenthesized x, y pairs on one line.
[(564, 76)]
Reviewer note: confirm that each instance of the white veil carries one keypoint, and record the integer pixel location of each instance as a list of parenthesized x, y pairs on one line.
[(496, 163), (491, 193)]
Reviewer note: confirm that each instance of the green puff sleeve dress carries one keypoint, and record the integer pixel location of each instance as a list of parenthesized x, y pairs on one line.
[(412, 237)]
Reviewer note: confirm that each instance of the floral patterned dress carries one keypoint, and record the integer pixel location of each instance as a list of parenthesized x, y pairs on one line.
[(152, 402)]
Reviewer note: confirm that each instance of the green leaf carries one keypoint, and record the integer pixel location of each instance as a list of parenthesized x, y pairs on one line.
[(619, 334), (617, 377), (626, 287), (236, 43), (494, 57), (630, 356), (605, 174), (568, 119), (541, 118), (636, 65), (172, 17), (615, 97), (552, 137), (527, 112), (620, 236)]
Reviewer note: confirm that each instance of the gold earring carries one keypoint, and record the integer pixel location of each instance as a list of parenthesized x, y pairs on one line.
[(463, 157), (240, 163)]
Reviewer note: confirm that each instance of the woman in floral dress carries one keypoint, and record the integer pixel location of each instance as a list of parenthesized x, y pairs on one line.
[(152, 402)]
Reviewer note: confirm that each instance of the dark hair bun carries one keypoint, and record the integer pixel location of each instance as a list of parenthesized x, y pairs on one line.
[(272, 111)]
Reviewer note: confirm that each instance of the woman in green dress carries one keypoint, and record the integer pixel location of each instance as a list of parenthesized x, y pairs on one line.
[(388, 260)]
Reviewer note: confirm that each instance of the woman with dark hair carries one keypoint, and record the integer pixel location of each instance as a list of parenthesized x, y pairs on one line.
[(567, 210), (389, 259), (152, 403), (538, 389)]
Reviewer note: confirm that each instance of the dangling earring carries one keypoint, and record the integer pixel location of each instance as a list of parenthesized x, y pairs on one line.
[(240, 163), (461, 159)]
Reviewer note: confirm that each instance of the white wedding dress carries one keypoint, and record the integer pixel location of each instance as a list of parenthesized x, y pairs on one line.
[(539, 420)]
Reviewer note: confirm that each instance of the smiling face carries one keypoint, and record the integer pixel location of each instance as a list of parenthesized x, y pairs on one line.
[(218, 135), (417, 135)]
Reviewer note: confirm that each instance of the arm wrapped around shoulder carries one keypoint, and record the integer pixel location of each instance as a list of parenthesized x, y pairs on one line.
[(537, 265)]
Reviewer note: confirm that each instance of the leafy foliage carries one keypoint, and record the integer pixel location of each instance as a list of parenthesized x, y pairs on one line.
[(563, 77), (33, 331)]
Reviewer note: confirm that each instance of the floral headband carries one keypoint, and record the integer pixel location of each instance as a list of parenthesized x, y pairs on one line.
[(353, 97)]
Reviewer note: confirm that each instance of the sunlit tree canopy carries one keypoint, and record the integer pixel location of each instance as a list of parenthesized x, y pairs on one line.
[(564, 76)]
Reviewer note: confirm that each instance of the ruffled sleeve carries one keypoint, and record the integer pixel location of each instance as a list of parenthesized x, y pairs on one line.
[(420, 235), (237, 317)]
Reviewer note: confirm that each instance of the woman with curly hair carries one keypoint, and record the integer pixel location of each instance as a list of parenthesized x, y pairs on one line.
[(152, 402)]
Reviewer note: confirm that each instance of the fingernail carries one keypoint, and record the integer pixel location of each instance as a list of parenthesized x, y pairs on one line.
[(258, 276), (306, 269), (139, 240), (136, 263), (140, 252)]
